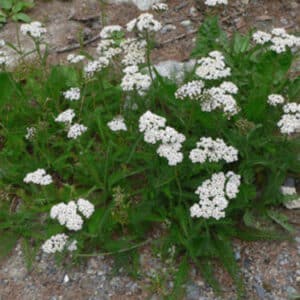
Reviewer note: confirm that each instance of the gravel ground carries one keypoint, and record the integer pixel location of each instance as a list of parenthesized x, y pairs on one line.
[(271, 269)]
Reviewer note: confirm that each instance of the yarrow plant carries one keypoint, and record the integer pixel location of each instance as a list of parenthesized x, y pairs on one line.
[(203, 161)]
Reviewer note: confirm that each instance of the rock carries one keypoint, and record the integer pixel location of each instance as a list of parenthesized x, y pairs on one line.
[(260, 291), (66, 278), (168, 28), (193, 11), (193, 292), (186, 23), (141, 4), (291, 290), (173, 69)]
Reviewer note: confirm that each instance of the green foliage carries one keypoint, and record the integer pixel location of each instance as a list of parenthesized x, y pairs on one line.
[(14, 9), (133, 189)]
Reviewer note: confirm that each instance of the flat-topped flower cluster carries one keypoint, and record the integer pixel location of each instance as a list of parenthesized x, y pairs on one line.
[(155, 130), (214, 194)]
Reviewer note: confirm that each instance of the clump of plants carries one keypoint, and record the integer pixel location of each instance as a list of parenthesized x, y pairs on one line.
[(14, 9), (98, 153)]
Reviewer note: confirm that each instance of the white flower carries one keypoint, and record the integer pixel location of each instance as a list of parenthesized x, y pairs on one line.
[(108, 31), (72, 246), (76, 130), (213, 151), (2, 43), (136, 81), (192, 90), (73, 94), (4, 58), (34, 29), (212, 195), (66, 116), (134, 52), (169, 151), (261, 37), (85, 207), (212, 67), (153, 127), (279, 38), (117, 124), (150, 121), (55, 244), (145, 22), (108, 49), (74, 59), (215, 2), (220, 97), (38, 177), (275, 99), (95, 66), (67, 214), (290, 120), (160, 7), (31, 131)]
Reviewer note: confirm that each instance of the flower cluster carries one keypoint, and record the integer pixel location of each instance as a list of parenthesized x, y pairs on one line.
[(95, 66), (134, 52), (279, 39), (117, 124), (192, 90), (76, 130), (31, 131), (108, 31), (108, 49), (66, 116), (3, 54), (67, 214), (154, 129), (290, 120), (214, 194), (134, 80), (74, 59), (221, 97), (145, 22), (73, 94), (160, 7), (34, 29), (213, 151), (275, 99), (38, 177), (57, 243), (212, 67), (215, 2)]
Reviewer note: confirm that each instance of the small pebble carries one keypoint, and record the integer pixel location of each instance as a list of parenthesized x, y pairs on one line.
[(186, 23), (66, 278)]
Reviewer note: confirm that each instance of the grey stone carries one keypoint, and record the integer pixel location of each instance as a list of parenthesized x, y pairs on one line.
[(173, 69), (260, 291), (168, 28), (186, 23), (141, 4), (193, 292)]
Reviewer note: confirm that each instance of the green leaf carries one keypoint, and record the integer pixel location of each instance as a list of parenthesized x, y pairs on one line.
[(281, 219), (6, 4), (181, 277), (210, 37), (21, 17), (21, 6), (8, 241)]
